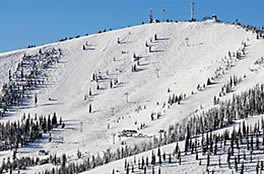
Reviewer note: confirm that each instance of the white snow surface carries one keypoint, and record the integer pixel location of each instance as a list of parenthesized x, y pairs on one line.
[(173, 64)]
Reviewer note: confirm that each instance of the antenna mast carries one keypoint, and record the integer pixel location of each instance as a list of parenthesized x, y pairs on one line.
[(192, 11), (150, 16), (163, 14)]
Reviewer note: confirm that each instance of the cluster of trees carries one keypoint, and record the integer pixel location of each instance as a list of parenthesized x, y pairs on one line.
[(29, 75), (149, 46), (105, 30), (240, 106), (224, 114), (78, 36), (240, 53), (176, 98), (10, 165), (228, 87), (255, 30), (94, 161), (228, 63), (260, 61), (233, 81), (136, 59), (31, 46), (241, 146), (100, 78), (14, 135), (70, 38)]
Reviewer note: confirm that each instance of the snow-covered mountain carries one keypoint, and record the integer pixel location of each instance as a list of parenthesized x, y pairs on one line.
[(128, 79)]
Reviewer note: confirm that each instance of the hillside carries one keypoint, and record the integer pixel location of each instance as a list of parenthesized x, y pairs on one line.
[(181, 56)]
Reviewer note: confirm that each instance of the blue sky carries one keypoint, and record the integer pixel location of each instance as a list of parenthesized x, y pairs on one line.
[(37, 22)]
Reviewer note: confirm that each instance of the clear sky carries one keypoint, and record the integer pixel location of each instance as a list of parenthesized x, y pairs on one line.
[(37, 22)]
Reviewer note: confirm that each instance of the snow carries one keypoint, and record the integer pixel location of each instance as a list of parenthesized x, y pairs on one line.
[(180, 67)]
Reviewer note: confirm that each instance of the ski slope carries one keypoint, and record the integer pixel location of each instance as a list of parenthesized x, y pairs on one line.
[(184, 55)]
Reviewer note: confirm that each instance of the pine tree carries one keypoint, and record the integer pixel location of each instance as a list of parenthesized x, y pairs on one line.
[(153, 159), (64, 159), (90, 92), (50, 138), (134, 56), (196, 155), (9, 75), (134, 68), (90, 108), (155, 37), (150, 50), (111, 84), (60, 120), (242, 168), (209, 82), (54, 120), (127, 169), (79, 154), (14, 154), (125, 164), (208, 159), (236, 168), (145, 170), (36, 99)]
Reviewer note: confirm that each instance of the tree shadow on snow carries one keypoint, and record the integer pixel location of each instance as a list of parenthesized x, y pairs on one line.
[(51, 104), (143, 64), (163, 38), (125, 42), (141, 69), (87, 49), (157, 51)]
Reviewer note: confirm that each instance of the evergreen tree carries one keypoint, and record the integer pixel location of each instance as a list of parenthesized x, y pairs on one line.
[(90, 108), (36, 99), (54, 120)]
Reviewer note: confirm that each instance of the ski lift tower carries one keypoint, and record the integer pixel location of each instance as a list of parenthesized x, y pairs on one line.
[(192, 11), (126, 94)]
